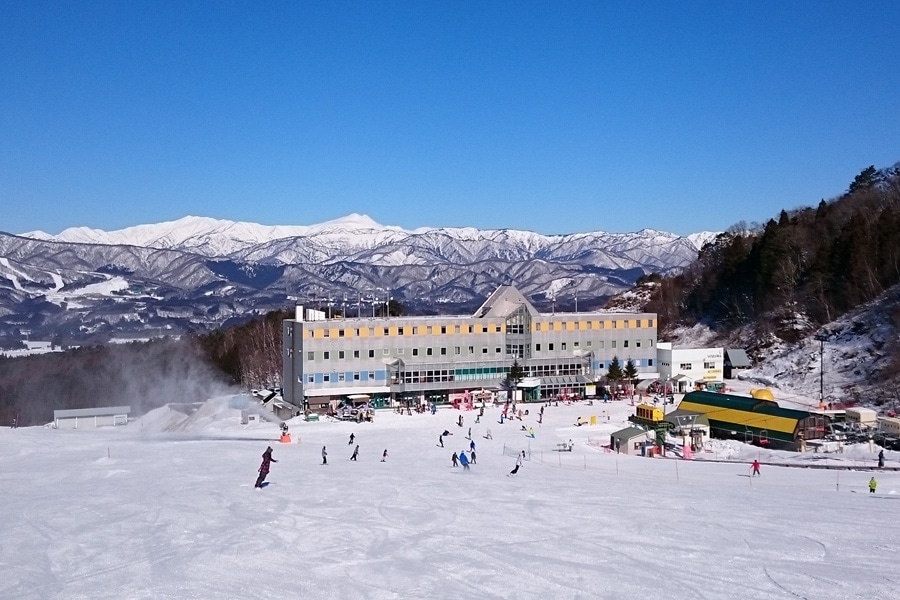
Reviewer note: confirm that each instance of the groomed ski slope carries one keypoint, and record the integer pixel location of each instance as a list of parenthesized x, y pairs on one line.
[(160, 509)]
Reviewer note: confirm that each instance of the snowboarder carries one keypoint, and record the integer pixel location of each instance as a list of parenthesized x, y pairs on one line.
[(519, 459), (755, 467), (881, 459), (264, 467), (464, 461), (441, 440), (473, 456), (488, 435), (384, 455), (454, 459), (352, 437), (324, 456), (355, 453), (872, 485)]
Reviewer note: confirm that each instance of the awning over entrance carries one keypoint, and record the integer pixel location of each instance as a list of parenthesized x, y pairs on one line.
[(564, 380), (344, 391)]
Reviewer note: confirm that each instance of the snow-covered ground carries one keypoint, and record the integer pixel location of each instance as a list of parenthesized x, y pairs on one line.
[(165, 508)]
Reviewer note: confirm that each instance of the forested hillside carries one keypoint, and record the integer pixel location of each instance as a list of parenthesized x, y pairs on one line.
[(797, 272)]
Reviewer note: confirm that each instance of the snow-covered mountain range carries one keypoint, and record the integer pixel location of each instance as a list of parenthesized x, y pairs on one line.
[(197, 272)]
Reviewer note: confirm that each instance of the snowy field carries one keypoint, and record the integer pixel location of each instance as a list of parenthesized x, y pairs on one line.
[(165, 508)]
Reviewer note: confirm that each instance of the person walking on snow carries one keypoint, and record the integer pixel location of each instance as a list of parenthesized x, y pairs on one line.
[(473, 456), (352, 437), (384, 455), (264, 467), (881, 459), (454, 459), (872, 485), (324, 456), (755, 467), (355, 453)]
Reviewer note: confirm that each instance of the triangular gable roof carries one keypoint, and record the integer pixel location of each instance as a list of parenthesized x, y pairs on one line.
[(503, 302), (738, 358), (628, 433)]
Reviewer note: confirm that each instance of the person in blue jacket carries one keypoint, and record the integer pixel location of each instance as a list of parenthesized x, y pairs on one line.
[(464, 461)]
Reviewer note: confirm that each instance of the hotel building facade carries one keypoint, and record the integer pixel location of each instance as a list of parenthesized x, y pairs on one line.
[(431, 358)]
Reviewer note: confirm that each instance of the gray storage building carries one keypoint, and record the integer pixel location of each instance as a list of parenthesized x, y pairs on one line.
[(80, 418)]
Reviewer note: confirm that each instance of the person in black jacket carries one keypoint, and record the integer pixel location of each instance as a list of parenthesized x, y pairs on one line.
[(264, 467)]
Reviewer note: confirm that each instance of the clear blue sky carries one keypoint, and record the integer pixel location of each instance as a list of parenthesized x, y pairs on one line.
[(547, 116)]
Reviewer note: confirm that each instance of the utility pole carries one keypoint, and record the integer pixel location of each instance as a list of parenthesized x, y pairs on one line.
[(822, 336)]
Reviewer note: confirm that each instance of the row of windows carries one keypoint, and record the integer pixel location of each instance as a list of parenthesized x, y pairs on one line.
[(511, 350), (445, 329), (446, 375), (690, 366)]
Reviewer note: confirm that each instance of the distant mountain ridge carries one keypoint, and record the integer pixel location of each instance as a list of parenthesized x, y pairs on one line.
[(198, 272)]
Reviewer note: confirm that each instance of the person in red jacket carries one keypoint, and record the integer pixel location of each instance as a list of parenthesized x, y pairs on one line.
[(264, 467), (755, 468)]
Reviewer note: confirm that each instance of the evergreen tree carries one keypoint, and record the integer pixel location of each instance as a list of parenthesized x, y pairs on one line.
[(614, 372)]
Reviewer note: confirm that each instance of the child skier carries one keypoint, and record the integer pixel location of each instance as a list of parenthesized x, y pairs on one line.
[(872, 485), (324, 456), (352, 437), (755, 466), (264, 467)]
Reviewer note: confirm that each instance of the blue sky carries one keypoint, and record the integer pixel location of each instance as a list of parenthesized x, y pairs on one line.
[(545, 116)]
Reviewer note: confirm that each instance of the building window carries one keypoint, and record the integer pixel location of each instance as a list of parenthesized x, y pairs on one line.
[(371, 375), (650, 343), (326, 378), (649, 362), (443, 352), (415, 351), (612, 344), (550, 347), (371, 354), (484, 350), (650, 323), (400, 350), (429, 351), (326, 355), (356, 354), (590, 324), (601, 344), (399, 331), (371, 332), (484, 329), (537, 347), (340, 355), (310, 378), (443, 329), (562, 346), (637, 343), (386, 331), (310, 356), (627, 324), (340, 333), (385, 351), (625, 344), (357, 332), (471, 349), (341, 377), (685, 366), (498, 350), (457, 350), (471, 329), (614, 324), (415, 331), (356, 376), (709, 365), (575, 344), (588, 343), (326, 333), (290, 352)]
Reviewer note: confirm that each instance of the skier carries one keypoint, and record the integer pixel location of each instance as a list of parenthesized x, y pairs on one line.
[(755, 467), (531, 432), (519, 459), (454, 458), (355, 453), (488, 435), (441, 440), (384, 455), (881, 459), (473, 456), (472, 446), (460, 423), (352, 437), (264, 467), (469, 437), (464, 461), (324, 456), (872, 485)]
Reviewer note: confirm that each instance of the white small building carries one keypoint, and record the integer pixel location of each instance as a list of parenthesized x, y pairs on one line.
[(81, 418), (686, 367), (864, 417), (889, 425)]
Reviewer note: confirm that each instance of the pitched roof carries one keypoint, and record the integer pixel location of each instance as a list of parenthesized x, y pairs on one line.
[(738, 358), (503, 302)]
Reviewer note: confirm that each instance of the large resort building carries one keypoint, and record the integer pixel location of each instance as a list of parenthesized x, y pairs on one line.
[(431, 358)]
